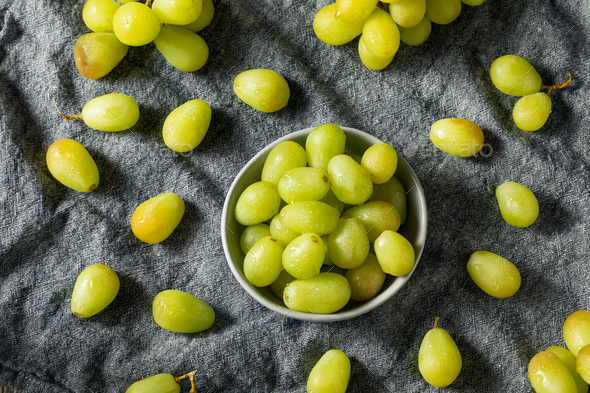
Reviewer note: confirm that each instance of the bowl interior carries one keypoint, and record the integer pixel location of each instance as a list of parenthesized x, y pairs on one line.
[(414, 228)]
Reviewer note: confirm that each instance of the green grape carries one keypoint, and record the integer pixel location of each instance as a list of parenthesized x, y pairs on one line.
[(310, 217), (327, 259), (548, 374), (324, 143), (258, 203), (331, 200), (110, 112), (282, 158), (515, 76), (181, 312), (155, 219), (333, 31), (380, 34), (350, 182), (439, 359), (186, 126), (395, 253), (303, 184), (393, 192), (458, 137), (262, 264), (582, 368), (518, 204), (576, 331), (177, 12), (70, 163), (98, 15), (127, 1), (407, 13), (366, 280), (531, 112), (304, 256), (182, 48), (371, 61), (473, 2), (348, 243), (264, 90), (96, 288), (443, 12), (159, 383), (204, 19), (280, 232), (376, 216), (380, 162), (136, 24), (278, 286), (96, 54), (324, 293), (570, 361), (354, 11), (252, 234), (495, 275), (330, 374), (416, 35)]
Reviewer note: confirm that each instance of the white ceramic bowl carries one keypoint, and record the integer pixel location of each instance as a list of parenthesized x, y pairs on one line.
[(414, 229)]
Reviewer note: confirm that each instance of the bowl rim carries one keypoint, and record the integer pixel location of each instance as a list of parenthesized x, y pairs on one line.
[(367, 306)]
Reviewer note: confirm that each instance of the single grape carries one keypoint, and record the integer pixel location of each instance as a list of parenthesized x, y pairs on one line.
[(330, 374), (348, 243), (443, 12), (324, 293), (70, 163), (354, 11), (350, 182), (155, 219), (252, 234), (392, 191), (408, 13), (136, 24), (395, 253), (303, 184), (177, 12), (331, 200), (181, 312), (258, 203), (310, 217), (327, 260), (416, 35), (98, 15), (278, 286), (458, 137), (576, 331), (159, 383), (96, 54), (304, 256), (263, 262), (473, 2), (182, 48), (531, 112), (186, 126), (333, 31), (583, 366), (548, 374), (264, 90), (380, 34), (371, 61), (515, 76), (96, 288), (366, 280), (439, 359), (280, 232), (570, 361), (495, 275), (376, 216), (380, 162), (282, 158), (518, 204), (324, 143), (204, 19)]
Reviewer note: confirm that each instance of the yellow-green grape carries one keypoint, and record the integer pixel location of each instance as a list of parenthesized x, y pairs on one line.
[(394, 253), (327, 259), (366, 280), (376, 216), (96, 287), (324, 143), (330, 374), (354, 11), (303, 184), (252, 234), (350, 182), (324, 293), (71, 164), (393, 192), (439, 359), (531, 112), (570, 361), (495, 275), (380, 34), (407, 13), (310, 217), (98, 15), (331, 200), (304, 256), (182, 48), (380, 162), (127, 1), (515, 76), (518, 204), (548, 374), (136, 24), (416, 35), (155, 219), (96, 54), (283, 234), (159, 383), (282, 158), (443, 12), (186, 126), (583, 366), (204, 19), (333, 31), (258, 203), (348, 243), (110, 112), (278, 286), (264, 90), (458, 137), (181, 312), (371, 61), (262, 264), (177, 12), (576, 331), (473, 2)]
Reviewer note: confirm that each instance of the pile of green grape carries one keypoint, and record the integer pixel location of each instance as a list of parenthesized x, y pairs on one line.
[(171, 24), (383, 24)]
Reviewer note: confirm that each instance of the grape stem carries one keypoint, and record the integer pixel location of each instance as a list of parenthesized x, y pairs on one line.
[(191, 377), (68, 118), (148, 3), (382, 6), (550, 88), (436, 323)]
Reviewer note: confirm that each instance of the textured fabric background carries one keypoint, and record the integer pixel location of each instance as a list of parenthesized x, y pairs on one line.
[(50, 233)]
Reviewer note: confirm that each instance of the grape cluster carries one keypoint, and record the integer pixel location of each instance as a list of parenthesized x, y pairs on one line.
[(383, 24), (171, 24)]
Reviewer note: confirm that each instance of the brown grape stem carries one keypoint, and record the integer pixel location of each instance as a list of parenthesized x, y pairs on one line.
[(148, 3), (191, 377), (68, 118), (436, 323), (550, 88)]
